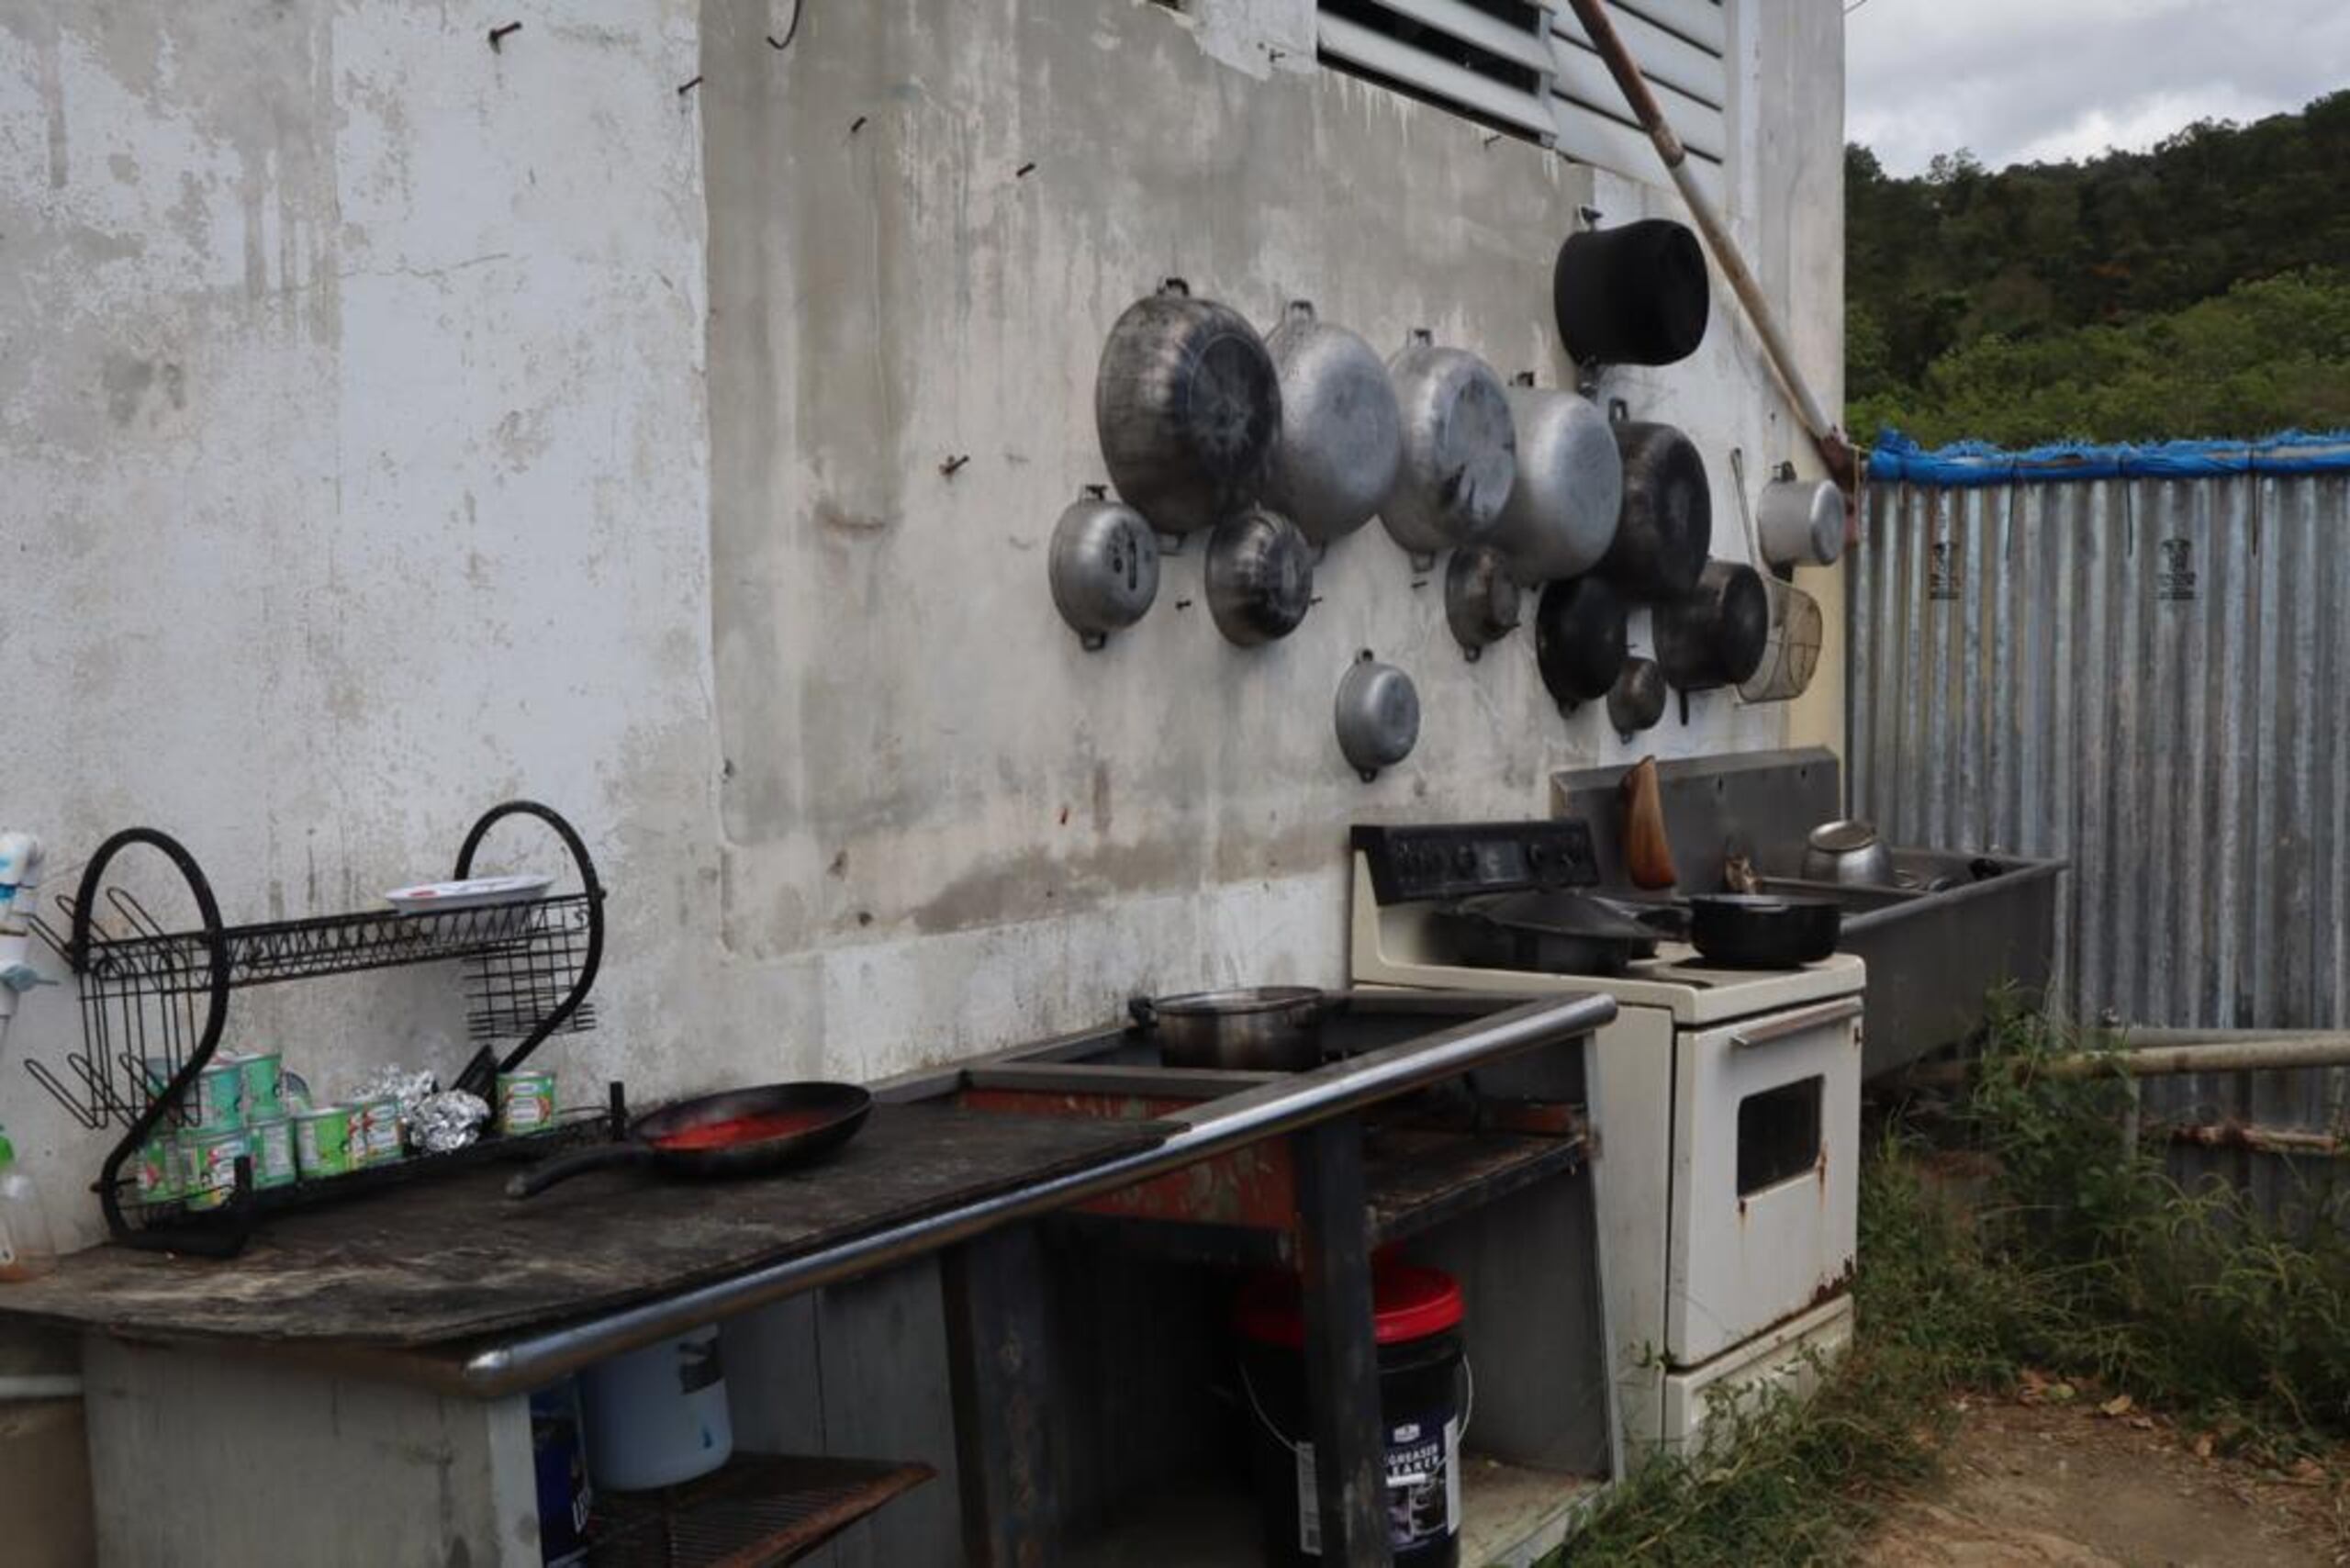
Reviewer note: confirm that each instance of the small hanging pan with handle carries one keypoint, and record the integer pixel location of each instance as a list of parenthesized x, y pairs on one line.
[(743, 1132)]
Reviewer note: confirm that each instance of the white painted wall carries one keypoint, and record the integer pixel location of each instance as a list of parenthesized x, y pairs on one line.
[(393, 425)]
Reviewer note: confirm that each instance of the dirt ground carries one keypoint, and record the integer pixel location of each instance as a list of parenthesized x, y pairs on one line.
[(2068, 1486)]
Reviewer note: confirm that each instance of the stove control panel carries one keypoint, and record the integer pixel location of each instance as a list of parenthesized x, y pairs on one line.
[(1450, 860)]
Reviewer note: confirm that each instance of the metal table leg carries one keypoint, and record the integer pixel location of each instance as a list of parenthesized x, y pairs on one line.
[(998, 1348), (1341, 1352)]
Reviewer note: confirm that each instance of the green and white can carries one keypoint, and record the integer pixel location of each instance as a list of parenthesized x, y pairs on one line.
[(264, 1079), (272, 1141), (219, 1097), (525, 1102), (158, 1172), (376, 1129), (323, 1142), (211, 1160)]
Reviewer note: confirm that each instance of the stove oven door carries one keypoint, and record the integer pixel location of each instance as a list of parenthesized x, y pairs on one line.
[(1766, 1133)]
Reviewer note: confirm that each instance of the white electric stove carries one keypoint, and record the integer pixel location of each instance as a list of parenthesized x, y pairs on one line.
[(1726, 1115)]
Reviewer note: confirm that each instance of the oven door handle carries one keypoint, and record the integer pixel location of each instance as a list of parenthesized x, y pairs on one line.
[(1798, 1023)]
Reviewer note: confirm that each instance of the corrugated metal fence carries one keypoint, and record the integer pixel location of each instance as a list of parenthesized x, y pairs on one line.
[(2150, 676)]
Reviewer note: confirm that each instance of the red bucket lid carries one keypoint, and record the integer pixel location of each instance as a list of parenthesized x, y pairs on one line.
[(1407, 1304)]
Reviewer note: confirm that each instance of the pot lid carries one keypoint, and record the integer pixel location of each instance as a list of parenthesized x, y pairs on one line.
[(1554, 913), (1407, 1303)]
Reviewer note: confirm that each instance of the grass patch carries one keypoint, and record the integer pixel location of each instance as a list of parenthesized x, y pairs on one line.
[(2076, 1255)]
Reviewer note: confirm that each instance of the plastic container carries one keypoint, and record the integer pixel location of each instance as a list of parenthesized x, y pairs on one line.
[(657, 1417), (1423, 1410), (27, 1249)]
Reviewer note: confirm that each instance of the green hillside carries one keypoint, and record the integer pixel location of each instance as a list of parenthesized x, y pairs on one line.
[(2198, 289)]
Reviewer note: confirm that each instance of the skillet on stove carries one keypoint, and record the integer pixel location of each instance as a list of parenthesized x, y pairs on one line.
[(1545, 931)]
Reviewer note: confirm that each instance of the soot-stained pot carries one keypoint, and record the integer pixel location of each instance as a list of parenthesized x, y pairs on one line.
[(1186, 405), (1459, 448), (1578, 639), (1560, 515), (1260, 577), (1717, 635), (1635, 294), (1341, 436), (1377, 716), (1480, 600), (1636, 700), (1104, 566), (1666, 525)]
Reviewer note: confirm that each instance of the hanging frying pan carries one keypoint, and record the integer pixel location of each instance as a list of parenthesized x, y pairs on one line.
[(743, 1132)]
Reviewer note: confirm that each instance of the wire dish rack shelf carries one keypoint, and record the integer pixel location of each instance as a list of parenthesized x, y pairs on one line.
[(154, 1002)]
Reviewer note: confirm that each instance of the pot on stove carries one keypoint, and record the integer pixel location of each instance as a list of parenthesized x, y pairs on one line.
[(1263, 1028)]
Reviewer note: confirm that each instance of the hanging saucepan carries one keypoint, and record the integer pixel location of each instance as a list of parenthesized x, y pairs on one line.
[(1480, 600), (1633, 295), (1560, 515), (1802, 523), (1377, 716), (1716, 635), (1104, 566), (1578, 639), (1667, 524), (1636, 700), (1341, 437), (743, 1132), (1186, 405), (1260, 577), (1459, 448)]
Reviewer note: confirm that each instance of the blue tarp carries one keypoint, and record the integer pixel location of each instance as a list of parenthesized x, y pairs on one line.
[(1896, 457)]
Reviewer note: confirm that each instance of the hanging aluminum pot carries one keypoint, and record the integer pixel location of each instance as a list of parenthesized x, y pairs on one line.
[(1561, 512), (1341, 436), (1636, 700), (1378, 715), (1578, 639), (1635, 294), (1667, 522), (1104, 566), (1260, 577), (1801, 522), (1717, 635), (1480, 600), (1186, 405), (1459, 448)]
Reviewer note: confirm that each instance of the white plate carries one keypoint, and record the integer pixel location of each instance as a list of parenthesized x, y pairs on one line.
[(473, 892)]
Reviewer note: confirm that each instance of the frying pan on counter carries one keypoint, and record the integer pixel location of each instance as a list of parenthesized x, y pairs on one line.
[(742, 1131)]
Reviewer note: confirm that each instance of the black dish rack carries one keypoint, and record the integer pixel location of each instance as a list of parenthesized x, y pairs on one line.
[(154, 1004)]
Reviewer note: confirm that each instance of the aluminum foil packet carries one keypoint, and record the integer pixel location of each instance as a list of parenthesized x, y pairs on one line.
[(445, 1122), (409, 1088)]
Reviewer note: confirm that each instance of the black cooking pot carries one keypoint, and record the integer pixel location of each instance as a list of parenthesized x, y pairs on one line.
[(1636, 701), (1544, 931), (1716, 635), (1186, 404), (1579, 639), (1633, 295), (1667, 524), (1748, 931)]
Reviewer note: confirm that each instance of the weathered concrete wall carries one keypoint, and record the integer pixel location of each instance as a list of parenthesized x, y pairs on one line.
[(363, 473)]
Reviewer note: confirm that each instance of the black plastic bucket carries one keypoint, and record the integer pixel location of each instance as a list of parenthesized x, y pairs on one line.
[(1423, 1412)]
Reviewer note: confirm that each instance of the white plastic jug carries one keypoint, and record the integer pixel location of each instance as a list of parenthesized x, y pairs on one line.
[(657, 1417)]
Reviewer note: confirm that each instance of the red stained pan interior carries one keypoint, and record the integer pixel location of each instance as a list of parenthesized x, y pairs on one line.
[(747, 1129)]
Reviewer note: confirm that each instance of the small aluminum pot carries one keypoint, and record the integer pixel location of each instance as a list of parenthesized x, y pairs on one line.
[(1378, 716), (1341, 436), (1560, 515), (1268, 1029), (1104, 566), (1848, 852), (1801, 522), (1260, 577), (1459, 448)]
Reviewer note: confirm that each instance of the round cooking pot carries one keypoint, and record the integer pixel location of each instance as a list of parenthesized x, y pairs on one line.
[(1633, 295), (1266, 1028), (1667, 522), (1260, 577), (1717, 635), (1459, 448), (1560, 515), (1801, 522), (1848, 852), (1636, 700), (1480, 600), (1757, 930), (1341, 436), (1578, 639), (1377, 716), (1186, 405), (1104, 566)]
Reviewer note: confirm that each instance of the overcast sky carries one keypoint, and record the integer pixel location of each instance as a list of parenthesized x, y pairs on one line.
[(2023, 80)]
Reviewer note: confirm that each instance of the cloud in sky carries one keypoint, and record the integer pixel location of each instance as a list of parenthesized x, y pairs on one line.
[(2022, 80)]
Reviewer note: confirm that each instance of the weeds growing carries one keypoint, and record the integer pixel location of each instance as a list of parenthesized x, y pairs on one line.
[(2076, 1255)]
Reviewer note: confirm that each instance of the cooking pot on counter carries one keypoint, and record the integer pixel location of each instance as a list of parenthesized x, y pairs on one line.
[(1186, 405), (1341, 435), (1262, 1028), (1459, 448), (1666, 526)]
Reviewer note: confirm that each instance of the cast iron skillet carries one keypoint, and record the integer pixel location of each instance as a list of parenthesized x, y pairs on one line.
[(840, 1107)]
